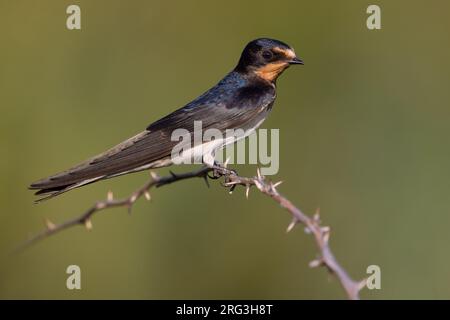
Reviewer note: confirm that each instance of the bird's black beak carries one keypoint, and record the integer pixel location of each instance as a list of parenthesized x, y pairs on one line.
[(296, 61)]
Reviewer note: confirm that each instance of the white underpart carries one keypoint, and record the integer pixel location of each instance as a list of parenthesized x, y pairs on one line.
[(205, 153)]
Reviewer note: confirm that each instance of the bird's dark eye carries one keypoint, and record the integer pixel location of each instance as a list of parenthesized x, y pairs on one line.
[(267, 54)]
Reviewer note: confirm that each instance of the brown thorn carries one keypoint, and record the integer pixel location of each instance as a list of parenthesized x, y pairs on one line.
[(277, 184), (88, 224), (50, 225), (154, 176), (258, 172), (316, 216), (362, 284), (225, 164), (316, 263), (291, 225)]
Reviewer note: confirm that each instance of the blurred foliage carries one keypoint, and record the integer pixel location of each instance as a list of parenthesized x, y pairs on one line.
[(363, 129)]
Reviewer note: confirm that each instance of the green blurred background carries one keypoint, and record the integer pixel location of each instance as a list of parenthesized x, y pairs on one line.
[(364, 136)]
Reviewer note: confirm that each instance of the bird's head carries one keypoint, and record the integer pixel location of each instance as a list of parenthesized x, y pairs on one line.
[(266, 58)]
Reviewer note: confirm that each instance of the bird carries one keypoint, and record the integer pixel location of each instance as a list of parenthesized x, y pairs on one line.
[(241, 100)]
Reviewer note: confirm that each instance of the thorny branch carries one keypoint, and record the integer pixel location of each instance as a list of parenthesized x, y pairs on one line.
[(231, 180)]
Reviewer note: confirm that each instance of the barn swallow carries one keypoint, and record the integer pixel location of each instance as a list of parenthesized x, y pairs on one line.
[(241, 100)]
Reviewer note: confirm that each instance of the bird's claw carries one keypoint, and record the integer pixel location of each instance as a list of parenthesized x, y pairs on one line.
[(214, 176)]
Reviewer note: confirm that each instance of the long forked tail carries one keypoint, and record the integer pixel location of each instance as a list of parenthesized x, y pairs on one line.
[(143, 151), (58, 184), (50, 192)]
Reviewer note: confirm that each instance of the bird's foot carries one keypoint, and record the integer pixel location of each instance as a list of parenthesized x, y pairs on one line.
[(220, 170)]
